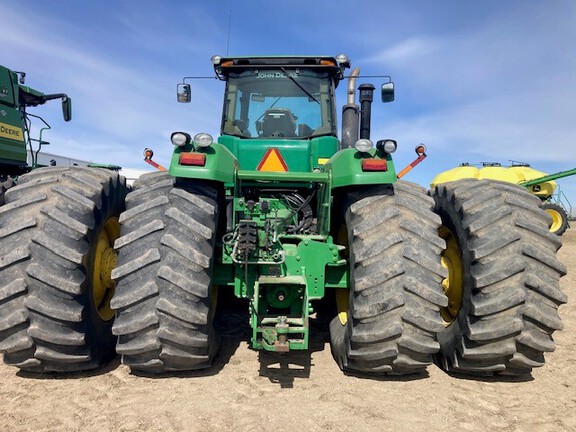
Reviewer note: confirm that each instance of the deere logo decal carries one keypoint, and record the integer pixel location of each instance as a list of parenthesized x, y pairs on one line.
[(8, 131)]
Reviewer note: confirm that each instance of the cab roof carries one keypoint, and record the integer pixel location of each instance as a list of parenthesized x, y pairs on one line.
[(224, 65)]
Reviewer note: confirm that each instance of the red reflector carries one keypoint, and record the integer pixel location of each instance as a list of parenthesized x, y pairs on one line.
[(374, 165), (198, 159)]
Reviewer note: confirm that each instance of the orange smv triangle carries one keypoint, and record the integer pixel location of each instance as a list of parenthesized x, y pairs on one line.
[(272, 161)]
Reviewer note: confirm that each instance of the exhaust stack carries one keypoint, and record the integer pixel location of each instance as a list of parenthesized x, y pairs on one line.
[(350, 113), (366, 98)]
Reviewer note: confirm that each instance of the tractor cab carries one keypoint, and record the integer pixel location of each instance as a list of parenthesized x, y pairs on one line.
[(279, 98), (282, 102)]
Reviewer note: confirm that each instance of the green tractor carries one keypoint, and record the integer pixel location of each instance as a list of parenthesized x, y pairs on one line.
[(283, 215), (57, 230)]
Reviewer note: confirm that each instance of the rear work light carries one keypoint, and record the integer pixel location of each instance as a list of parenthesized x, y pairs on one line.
[(374, 165), (197, 159)]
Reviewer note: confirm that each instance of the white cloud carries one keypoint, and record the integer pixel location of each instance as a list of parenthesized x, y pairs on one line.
[(406, 52)]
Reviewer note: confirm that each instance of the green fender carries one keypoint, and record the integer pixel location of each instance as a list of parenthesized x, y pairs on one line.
[(346, 169), (221, 165)]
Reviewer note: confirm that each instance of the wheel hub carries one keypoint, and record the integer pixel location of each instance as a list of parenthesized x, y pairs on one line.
[(556, 219), (104, 262), (453, 285)]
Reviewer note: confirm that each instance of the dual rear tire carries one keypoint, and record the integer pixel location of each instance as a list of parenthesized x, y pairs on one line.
[(480, 298), (503, 285), (389, 317), (57, 229), (164, 298)]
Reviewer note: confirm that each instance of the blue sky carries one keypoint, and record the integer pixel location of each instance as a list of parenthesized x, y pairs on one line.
[(475, 81)]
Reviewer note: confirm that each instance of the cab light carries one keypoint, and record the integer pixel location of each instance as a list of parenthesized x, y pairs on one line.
[(364, 145), (203, 139), (196, 159), (387, 145), (374, 165), (180, 139), (342, 59)]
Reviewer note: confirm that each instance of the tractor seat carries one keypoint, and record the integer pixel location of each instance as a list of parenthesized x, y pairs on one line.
[(278, 122)]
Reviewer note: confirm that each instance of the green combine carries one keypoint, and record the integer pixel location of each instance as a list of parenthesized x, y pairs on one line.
[(297, 224), (15, 122), (57, 230)]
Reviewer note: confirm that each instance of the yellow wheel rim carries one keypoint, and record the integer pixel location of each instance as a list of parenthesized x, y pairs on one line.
[(104, 262), (343, 295), (453, 285), (556, 219)]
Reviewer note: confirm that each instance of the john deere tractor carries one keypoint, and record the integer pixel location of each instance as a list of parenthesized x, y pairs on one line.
[(283, 215), (57, 229)]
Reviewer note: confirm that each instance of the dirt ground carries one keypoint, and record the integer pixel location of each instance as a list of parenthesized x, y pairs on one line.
[(247, 390)]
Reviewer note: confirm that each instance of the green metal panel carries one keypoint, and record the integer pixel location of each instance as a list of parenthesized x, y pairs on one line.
[(299, 155), (12, 146), (221, 165), (8, 87), (346, 169), (294, 177)]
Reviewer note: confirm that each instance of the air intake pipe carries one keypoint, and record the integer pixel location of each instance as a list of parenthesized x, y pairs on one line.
[(350, 113)]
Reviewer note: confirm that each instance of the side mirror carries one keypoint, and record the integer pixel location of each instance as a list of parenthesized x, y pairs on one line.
[(388, 92), (67, 108), (184, 95)]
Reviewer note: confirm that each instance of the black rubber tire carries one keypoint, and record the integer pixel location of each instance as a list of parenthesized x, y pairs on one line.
[(164, 314), (561, 213), (395, 282), (511, 289), (4, 186), (48, 231)]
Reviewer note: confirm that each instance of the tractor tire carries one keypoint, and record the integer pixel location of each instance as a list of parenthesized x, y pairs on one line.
[(393, 303), (164, 299), (4, 186), (503, 285), (56, 244), (559, 223)]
